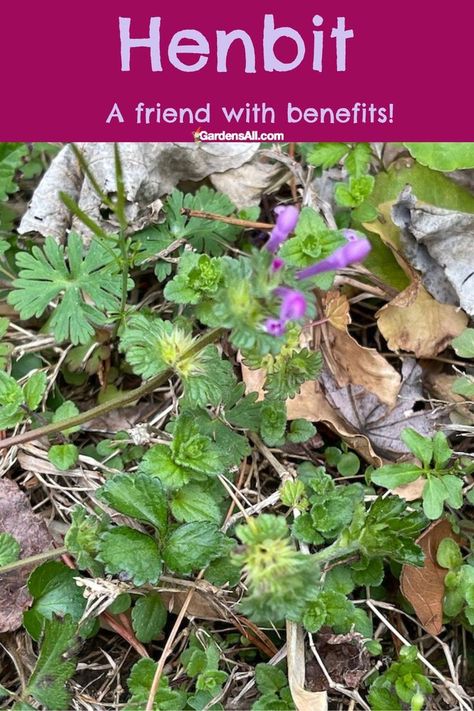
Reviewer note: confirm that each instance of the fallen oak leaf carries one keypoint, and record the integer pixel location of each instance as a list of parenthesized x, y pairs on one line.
[(351, 363), (382, 426), (424, 587)]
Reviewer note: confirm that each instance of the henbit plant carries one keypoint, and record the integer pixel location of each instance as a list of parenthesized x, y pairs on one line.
[(162, 514)]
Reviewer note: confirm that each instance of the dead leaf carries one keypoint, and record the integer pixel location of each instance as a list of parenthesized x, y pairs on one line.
[(345, 658), (440, 244), (415, 322), (382, 426), (424, 587), (150, 171), (18, 519), (304, 700), (351, 363), (411, 491), (336, 309)]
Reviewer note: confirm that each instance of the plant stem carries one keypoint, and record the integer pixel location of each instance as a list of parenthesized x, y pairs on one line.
[(335, 551), (52, 553), (120, 401), (228, 220)]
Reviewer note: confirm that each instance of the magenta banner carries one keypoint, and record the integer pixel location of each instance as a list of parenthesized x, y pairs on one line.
[(153, 70)]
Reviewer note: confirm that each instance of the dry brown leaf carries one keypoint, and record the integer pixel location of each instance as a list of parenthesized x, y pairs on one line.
[(421, 325), (150, 171), (411, 491), (304, 700), (351, 363), (438, 243), (424, 587), (18, 519), (203, 605), (336, 309)]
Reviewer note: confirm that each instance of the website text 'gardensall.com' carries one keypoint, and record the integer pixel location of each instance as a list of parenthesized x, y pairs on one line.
[(203, 135)]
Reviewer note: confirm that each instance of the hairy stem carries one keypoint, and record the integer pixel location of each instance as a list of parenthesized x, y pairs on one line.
[(120, 401), (46, 555)]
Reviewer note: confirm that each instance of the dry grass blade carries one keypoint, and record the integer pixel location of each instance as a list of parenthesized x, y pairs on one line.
[(303, 700)]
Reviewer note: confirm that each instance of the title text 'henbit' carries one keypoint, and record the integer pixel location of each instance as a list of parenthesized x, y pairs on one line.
[(190, 50)]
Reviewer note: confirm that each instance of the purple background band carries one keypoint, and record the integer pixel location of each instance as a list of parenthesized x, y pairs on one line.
[(60, 69)]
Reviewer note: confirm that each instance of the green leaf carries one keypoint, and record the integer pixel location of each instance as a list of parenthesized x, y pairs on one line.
[(291, 371), (139, 684), (245, 413), (193, 503), (464, 343), (210, 236), (140, 496), (211, 680), (354, 193), (348, 464), (152, 345), (273, 423), (223, 570), (133, 555), (443, 156), (5, 348), (453, 486), (199, 277), (464, 386), (327, 155), (357, 162), (339, 579), (72, 275), (52, 669), (312, 241), (304, 530), (55, 592), (192, 546), (11, 400), (392, 475), (428, 185), (34, 389), (207, 378), (269, 679), (315, 615), (421, 447), (434, 495), (63, 456), (64, 412), (149, 616), (442, 452), (301, 431), (193, 450), (82, 539), (449, 554), (11, 160), (9, 549), (364, 213)]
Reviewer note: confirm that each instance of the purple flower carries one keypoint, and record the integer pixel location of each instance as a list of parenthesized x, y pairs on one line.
[(277, 264), (274, 327), (292, 307), (356, 249), (287, 218)]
